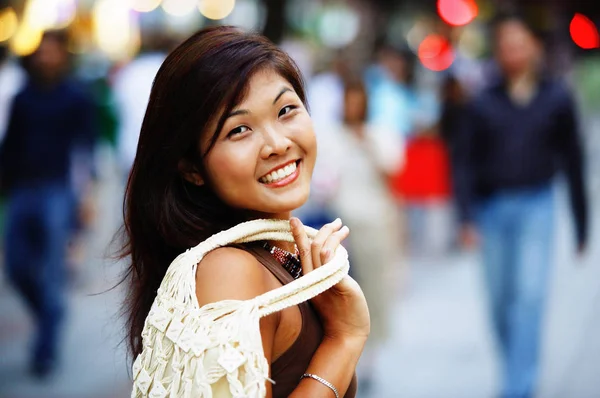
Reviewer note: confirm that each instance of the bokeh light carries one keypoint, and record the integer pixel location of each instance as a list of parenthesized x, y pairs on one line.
[(26, 40), (584, 33), (115, 30), (435, 53), (471, 41), (216, 9), (417, 33), (183, 24), (247, 14), (50, 14), (145, 5), (8, 23), (302, 16), (338, 26), (457, 12), (178, 8)]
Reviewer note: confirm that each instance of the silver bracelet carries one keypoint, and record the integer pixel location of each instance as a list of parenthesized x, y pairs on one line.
[(322, 381)]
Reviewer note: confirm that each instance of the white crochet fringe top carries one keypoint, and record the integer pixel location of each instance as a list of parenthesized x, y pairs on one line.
[(216, 351)]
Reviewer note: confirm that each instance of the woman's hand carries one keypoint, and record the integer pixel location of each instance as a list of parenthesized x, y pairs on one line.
[(343, 308)]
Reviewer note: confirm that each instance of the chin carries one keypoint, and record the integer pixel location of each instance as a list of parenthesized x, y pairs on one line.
[(284, 206), (287, 207)]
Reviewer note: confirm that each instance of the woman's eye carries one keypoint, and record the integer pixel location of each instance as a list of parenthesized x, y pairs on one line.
[(238, 130), (286, 109)]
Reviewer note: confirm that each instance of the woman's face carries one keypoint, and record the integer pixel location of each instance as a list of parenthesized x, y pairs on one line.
[(265, 153)]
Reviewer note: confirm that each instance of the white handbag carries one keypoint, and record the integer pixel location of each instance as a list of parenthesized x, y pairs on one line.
[(216, 350)]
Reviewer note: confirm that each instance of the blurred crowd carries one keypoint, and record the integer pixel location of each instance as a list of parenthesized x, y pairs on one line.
[(394, 159), (416, 162)]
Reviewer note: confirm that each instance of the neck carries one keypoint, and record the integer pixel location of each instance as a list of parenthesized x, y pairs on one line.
[(287, 246), (357, 127), (522, 86), (528, 76), (280, 216)]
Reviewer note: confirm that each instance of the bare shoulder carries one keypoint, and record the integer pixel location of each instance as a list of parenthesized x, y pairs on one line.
[(229, 273)]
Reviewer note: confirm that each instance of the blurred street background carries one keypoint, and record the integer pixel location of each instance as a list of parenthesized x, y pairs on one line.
[(408, 67)]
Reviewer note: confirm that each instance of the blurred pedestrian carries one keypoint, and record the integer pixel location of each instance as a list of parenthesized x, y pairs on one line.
[(50, 118), (325, 94), (131, 89), (11, 81), (517, 134), (389, 82), (454, 99), (365, 156), (453, 111)]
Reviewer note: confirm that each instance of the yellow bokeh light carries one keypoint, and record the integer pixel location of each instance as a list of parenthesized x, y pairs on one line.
[(115, 32), (39, 14), (178, 8), (216, 9), (26, 40), (8, 23), (145, 5)]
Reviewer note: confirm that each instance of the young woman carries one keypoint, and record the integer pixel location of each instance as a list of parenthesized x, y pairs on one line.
[(227, 138)]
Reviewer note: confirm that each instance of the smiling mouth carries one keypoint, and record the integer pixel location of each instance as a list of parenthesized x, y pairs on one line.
[(282, 175)]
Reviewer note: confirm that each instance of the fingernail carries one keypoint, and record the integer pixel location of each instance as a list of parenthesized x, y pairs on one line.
[(294, 222), (337, 221)]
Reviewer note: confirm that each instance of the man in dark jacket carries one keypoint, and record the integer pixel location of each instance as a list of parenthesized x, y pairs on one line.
[(49, 118), (517, 134)]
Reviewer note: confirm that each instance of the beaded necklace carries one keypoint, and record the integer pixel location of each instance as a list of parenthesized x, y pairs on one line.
[(289, 261)]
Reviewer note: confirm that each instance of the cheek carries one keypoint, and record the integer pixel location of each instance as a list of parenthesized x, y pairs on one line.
[(305, 134), (230, 169), (312, 145)]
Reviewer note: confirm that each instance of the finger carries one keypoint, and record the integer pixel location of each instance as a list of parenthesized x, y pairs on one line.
[(332, 243), (320, 238), (303, 244)]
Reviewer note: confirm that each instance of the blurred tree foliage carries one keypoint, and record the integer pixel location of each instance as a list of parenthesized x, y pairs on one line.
[(587, 80)]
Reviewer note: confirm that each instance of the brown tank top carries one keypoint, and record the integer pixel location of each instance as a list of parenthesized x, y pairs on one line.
[(289, 367)]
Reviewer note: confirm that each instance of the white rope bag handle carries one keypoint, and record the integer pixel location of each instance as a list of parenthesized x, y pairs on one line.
[(216, 350), (183, 269)]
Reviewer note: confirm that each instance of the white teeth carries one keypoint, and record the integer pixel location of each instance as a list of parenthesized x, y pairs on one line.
[(279, 174)]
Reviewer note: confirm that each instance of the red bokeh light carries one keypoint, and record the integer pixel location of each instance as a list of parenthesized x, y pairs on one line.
[(435, 53), (584, 33), (457, 12)]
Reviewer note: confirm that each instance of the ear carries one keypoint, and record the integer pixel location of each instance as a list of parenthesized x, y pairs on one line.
[(190, 173)]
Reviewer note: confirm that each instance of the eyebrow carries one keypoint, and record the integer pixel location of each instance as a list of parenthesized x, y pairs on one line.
[(246, 112), (283, 91), (238, 112)]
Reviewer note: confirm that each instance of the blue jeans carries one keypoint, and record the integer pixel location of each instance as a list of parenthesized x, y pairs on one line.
[(37, 231), (517, 231)]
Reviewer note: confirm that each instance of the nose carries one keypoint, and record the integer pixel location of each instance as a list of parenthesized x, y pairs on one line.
[(276, 142)]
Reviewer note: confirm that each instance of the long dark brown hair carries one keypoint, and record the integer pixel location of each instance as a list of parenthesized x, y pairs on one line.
[(199, 83)]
